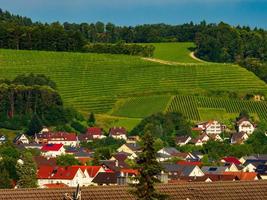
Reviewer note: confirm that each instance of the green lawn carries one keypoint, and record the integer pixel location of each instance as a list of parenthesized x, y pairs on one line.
[(178, 52), (139, 107)]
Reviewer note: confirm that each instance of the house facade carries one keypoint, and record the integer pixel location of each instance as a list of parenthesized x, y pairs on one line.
[(52, 150), (118, 133), (211, 127), (67, 139), (244, 125)]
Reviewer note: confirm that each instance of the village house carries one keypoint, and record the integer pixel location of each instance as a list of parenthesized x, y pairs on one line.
[(244, 176), (21, 139), (176, 171), (70, 175), (52, 150), (200, 140), (131, 148), (106, 178), (231, 160), (167, 153), (211, 127), (120, 159), (182, 140), (118, 133), (133, 139), (67, 139), (244, 125), (239, 138), (3, 139), (93, 133), (214, 169)]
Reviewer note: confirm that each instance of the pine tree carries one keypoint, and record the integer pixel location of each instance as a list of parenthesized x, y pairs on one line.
[(149, 168), (26, 170), (91, 120), (35, 125)]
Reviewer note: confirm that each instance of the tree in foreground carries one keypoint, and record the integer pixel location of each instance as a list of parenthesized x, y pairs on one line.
[(26, 170), (149, 168)]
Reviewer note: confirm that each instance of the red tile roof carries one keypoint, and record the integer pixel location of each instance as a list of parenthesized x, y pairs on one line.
[(52, 147), (129, 171), (117, 131), (56, 185), (234, 190), (52, 136), (187, 163), (232, 160), (49, 172), (94, 131), (243, 176)]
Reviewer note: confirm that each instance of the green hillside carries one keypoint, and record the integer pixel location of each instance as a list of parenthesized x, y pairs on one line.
[(177, 52), (103, 83)]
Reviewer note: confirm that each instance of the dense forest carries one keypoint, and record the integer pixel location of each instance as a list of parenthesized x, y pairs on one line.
[(29, 95)]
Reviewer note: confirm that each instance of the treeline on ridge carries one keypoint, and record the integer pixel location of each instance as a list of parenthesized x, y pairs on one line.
[(120, 48)]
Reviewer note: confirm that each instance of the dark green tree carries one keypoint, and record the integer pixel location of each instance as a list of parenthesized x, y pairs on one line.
[(35, 125), (27, 171), (5, 181), (91, 120), (67, 160), (149, 168)]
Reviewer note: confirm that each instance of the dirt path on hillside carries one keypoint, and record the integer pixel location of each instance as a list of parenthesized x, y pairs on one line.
[(192, 55), (165, 62)]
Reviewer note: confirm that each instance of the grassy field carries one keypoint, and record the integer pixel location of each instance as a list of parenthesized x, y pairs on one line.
[(177, 52), (139, 107), (100, 82)]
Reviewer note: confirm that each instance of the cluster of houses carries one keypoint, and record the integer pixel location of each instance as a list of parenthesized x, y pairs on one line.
[(116, 170), (211, 130)]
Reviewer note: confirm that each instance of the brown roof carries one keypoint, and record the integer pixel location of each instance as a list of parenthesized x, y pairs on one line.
[(234, 190)]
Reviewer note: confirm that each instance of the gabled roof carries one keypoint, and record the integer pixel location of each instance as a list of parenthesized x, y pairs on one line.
[(170, 150), (105, 178), (238, 137), (242, 120), (182, 139), (91, 170), (56, 185), (188, 163), (214, 169), (52, 147), (243, 176), (133, 146), (56, 172), (18, 137), (94, 131), (262, 169), (233, 160), (181, 170), (117, 131), (58, 136)]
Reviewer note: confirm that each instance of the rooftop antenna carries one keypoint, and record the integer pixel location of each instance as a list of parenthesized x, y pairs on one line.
[(77, 195)]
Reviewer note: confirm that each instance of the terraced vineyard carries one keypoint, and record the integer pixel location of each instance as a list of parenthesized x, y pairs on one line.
[(97, 82), (190, 106)]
